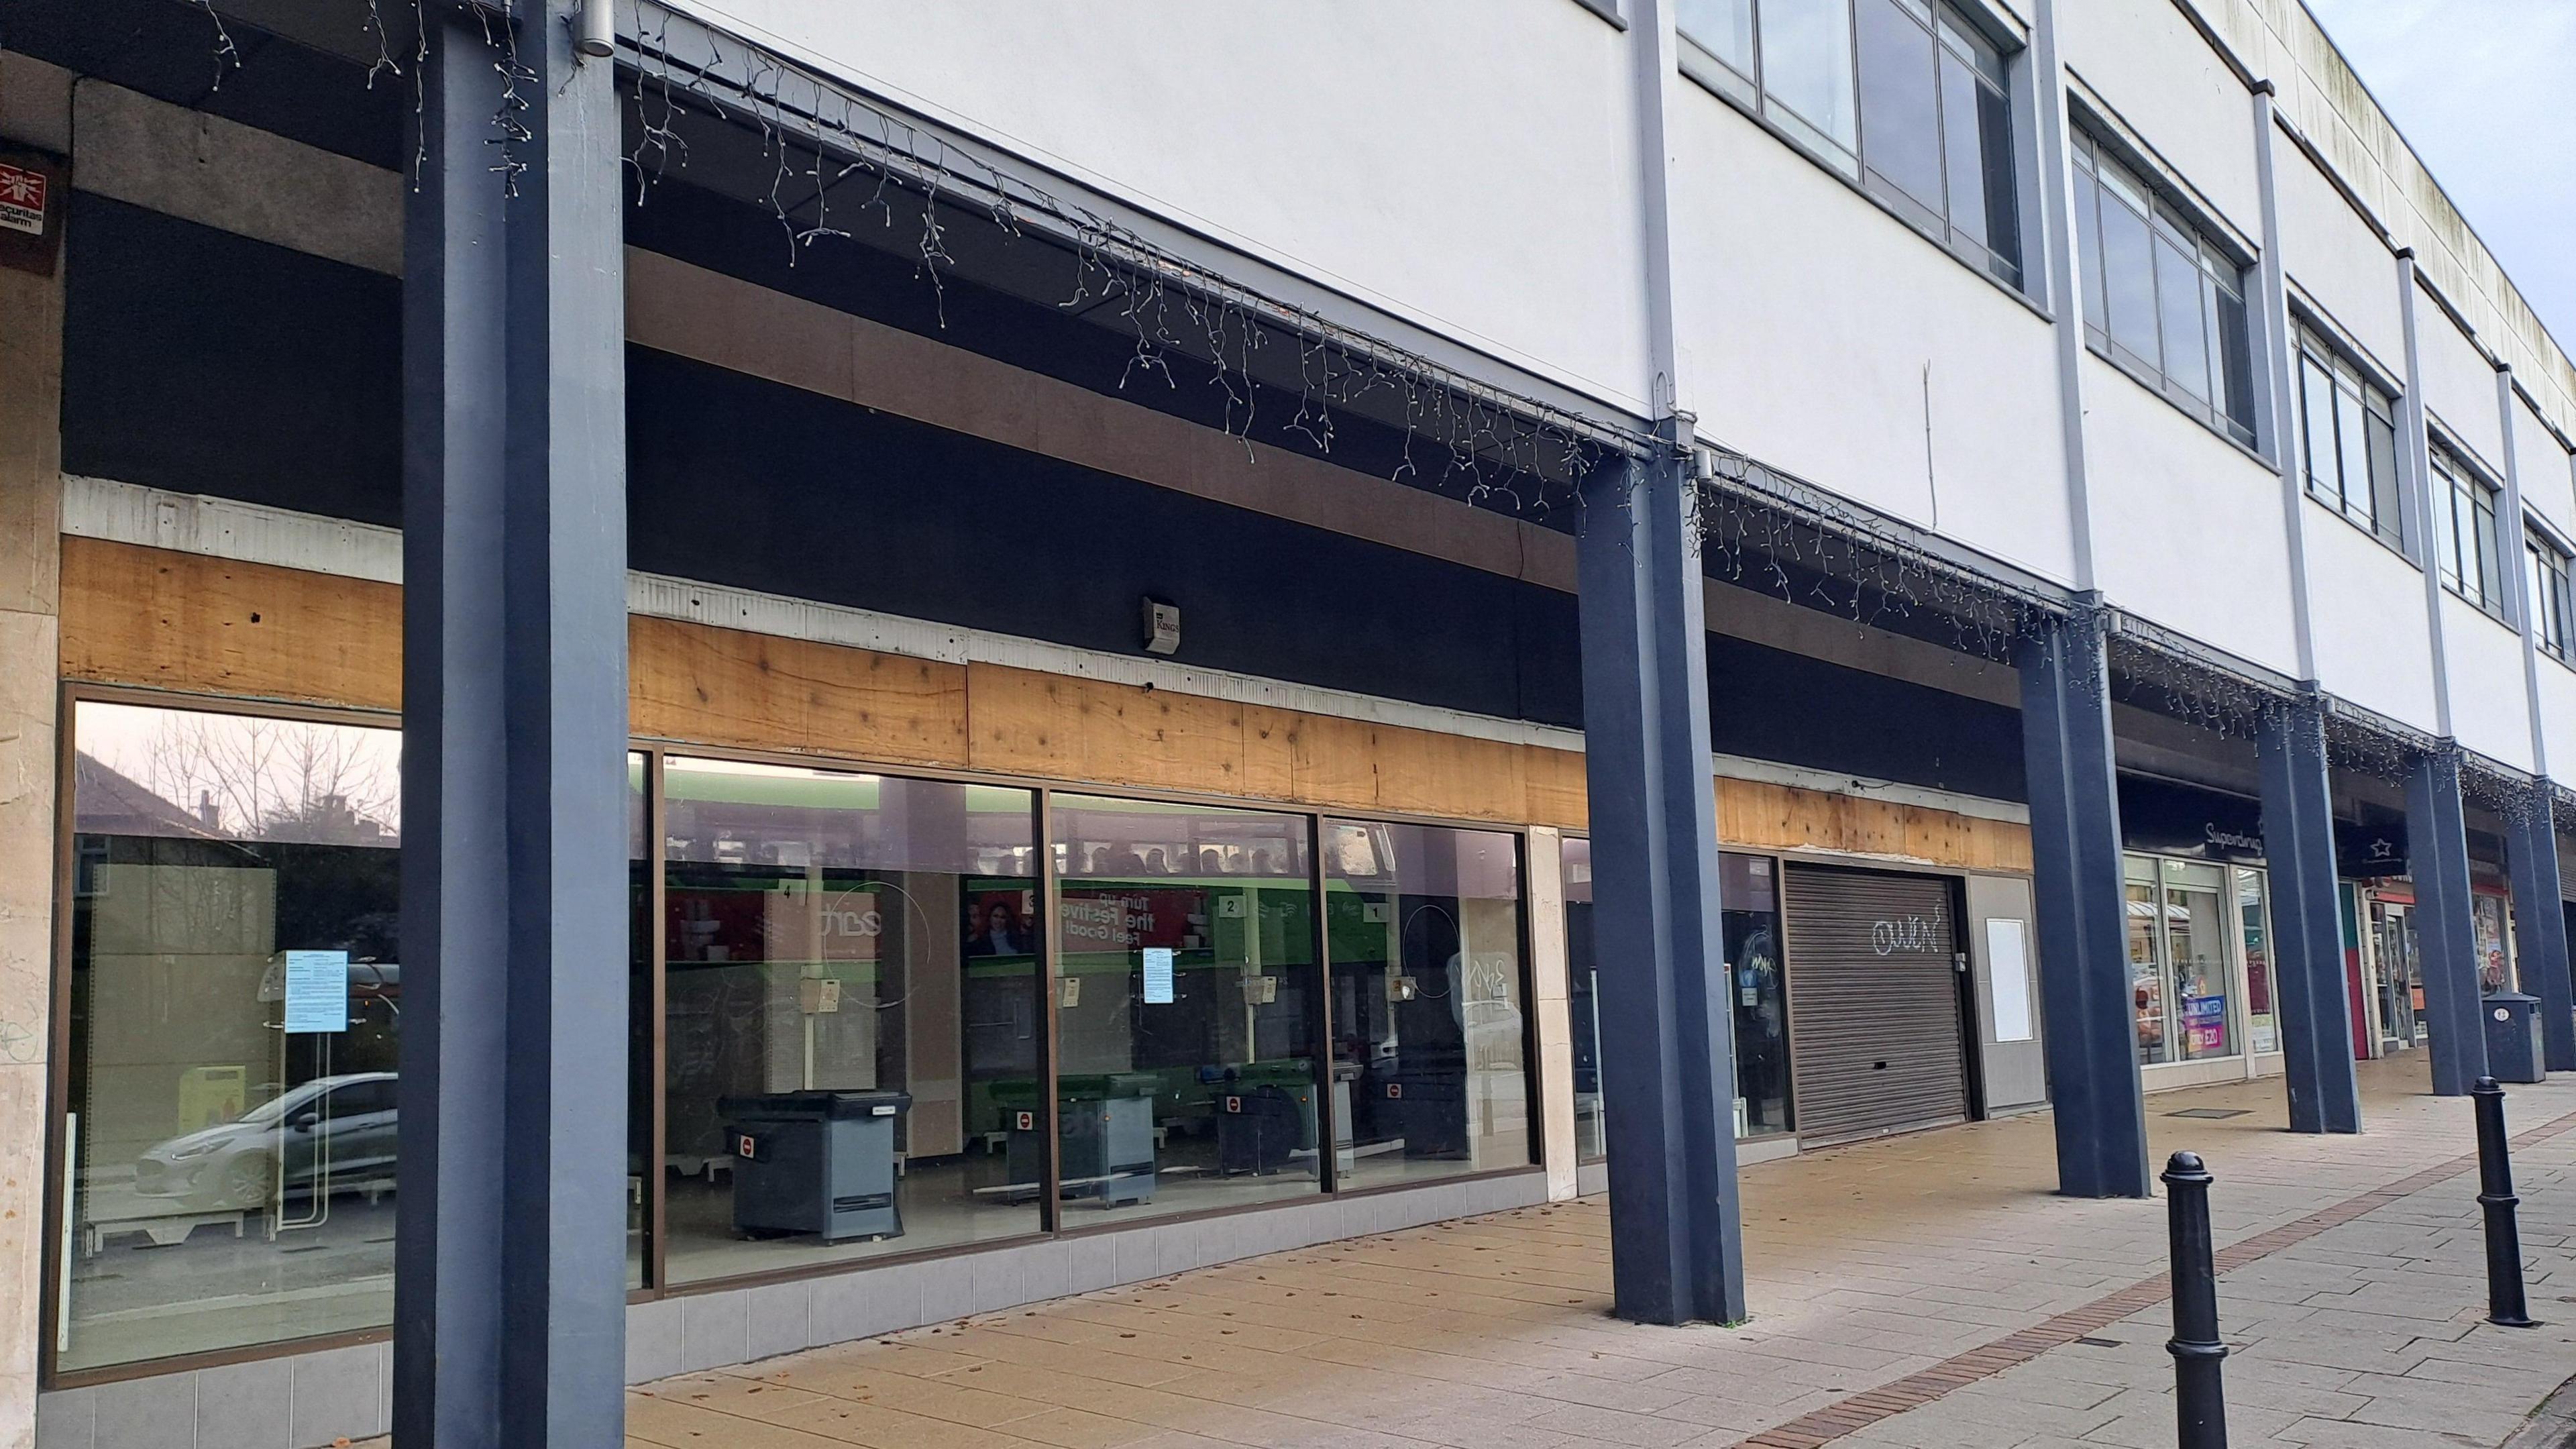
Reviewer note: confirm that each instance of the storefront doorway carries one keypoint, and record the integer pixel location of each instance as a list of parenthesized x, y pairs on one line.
[(2396, 973), (1876, 1021)]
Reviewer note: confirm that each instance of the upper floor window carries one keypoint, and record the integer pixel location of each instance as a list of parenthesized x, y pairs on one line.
[(2349, 437), (2464, 533), (2553, 608), (1905, 97), (2160, 298)]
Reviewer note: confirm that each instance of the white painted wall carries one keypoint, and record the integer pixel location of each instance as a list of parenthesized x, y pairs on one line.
[(2366, 609), (2334, 257), (1470, 164), (2558, 717), (1807, 319), (2190, 525), (2459, 384), (2490, 709), (2544, 469), (2144, 58)]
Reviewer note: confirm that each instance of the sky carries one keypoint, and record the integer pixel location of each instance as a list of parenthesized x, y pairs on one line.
[(2485, 91)]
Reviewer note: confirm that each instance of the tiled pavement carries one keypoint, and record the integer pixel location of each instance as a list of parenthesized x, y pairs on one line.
[(1937, 1264)]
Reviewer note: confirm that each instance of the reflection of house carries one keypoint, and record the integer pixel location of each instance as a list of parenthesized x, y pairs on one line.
[(113, 803)]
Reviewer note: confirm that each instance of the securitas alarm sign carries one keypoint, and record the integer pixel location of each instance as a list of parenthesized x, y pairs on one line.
[(31, 211), (22, 198)]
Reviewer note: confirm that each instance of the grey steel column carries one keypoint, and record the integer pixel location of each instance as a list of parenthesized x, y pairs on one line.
[(2540, 927), (2084, 976), (2309, 999), (1667, 1025), (2437, 849), (510, 1299)]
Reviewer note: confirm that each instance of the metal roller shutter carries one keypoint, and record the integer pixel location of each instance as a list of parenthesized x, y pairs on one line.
[(1874, 1028)]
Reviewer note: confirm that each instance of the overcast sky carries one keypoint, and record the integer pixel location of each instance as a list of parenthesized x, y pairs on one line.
[(2485, 90)]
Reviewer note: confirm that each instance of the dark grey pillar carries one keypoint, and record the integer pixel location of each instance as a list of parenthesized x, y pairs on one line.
[(510, 1296), (1667, 1026), (2087, 1009), (2540, 928), (2437, 850), (2308, 991)]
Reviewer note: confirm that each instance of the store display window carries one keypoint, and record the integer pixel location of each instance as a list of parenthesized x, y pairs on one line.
[(1187, 1010), (1429, 999), (852, 1016), (228, 1124)]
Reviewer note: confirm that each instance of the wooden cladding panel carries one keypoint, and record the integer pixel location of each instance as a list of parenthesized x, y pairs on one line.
[(714, 686), (184, 621), (180, 621)]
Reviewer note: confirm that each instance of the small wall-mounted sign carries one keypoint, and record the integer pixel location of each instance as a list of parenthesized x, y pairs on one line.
[(1162, 627), (34, 187)]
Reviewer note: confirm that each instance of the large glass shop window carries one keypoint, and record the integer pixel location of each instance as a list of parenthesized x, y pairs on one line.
[(235, 1002), (1429, 1006), (2179, 922), (1186, 1012), (2254, 922), (2495, 954), (852, 1015)]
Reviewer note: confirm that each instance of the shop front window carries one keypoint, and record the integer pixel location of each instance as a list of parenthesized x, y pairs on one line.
[(2146, 970), (2195, 964), (1749, 899), (852, 1016), (235, 1003), (2254, 927), (1187, 1008), (1429, 998), (1583, 1002), (2495, 956)]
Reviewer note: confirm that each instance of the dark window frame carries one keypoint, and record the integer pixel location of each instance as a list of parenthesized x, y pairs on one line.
[(2164, 228), (2471, 561), (2550, 595), (2320, 365)]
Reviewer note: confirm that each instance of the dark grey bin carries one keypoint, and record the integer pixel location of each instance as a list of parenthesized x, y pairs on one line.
[(815, 1162), (2513, 1036)]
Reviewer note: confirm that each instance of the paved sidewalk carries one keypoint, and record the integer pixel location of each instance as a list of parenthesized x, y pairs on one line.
[(1924, 1291)]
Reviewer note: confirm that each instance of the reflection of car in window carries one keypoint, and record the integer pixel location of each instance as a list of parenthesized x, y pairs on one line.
[(331, 1133)]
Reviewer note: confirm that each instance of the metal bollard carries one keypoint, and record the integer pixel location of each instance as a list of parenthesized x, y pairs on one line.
[(2505, 1306), (2200, 1404)]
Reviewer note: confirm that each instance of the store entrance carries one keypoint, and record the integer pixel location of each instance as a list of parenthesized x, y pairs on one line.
[(1876, 1025), (2397, 978)]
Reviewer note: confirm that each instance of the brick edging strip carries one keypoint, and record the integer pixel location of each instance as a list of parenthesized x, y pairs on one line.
[(1859, 1411)]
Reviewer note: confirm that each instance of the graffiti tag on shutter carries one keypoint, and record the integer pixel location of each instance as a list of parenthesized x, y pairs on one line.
[(1912, 933)]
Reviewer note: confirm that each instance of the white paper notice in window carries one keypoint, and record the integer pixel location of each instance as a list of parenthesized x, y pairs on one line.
[(2008, 976), (1158, 975)]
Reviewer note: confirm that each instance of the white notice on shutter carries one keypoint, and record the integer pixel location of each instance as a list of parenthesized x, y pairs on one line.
[(2008, 977), (1158, 975)]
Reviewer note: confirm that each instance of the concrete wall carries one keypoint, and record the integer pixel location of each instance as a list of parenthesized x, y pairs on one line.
[(35, 111), (2489, 701), (2366, 613), (2338, 261), (2144, 59), (2544, 467)]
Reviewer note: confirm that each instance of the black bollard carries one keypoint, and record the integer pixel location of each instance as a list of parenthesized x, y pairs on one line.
[(2200, 1404), (2505, 1306)]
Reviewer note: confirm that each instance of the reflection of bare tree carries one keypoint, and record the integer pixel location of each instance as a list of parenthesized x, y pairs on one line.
[(272, 779)]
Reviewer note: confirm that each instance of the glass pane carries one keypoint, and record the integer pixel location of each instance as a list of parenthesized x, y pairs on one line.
[(2195, 932), (1428, 999), (235, 1012), (2495, 962), (2351, 444), (2446, 524), (2088, 241), (1583, 999), (2317, 415), (2002, 230), (2128, 276), (1751, 908), (1723, 28), (2233, 357), (2490, 558), (852, 1015), (2146, 975), (639, 1013), (1187, 1016), (1807, 64), (1900, 108), (1963, 151), (2385, 513), (2254, 921), (2186, 341)]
